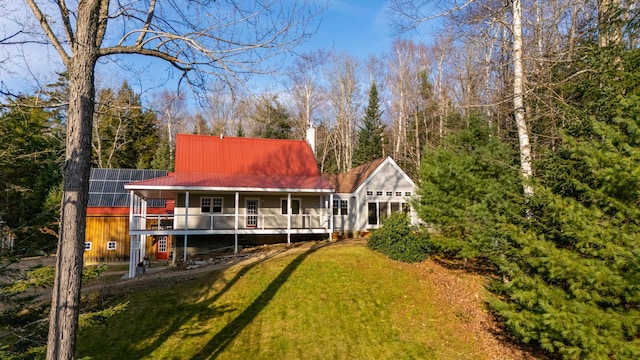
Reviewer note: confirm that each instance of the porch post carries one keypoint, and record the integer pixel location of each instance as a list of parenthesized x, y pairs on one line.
[(330, 211), (143, 225), (132, 264), (174, 243), (186, 225), (237, 205), (289, 219)]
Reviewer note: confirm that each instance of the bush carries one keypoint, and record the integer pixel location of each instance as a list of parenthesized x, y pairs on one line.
[(399, 240)]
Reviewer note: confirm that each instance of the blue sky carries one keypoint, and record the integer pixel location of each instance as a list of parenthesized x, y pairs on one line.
[(356, 27)]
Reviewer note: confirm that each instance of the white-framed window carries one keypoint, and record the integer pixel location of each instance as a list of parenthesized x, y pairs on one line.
[(295, 206), (340, 207), (379, 193), (407, 193), (389, 193), (111, 245), (369, 192), (211, 205), (398, 193), (87, 245)]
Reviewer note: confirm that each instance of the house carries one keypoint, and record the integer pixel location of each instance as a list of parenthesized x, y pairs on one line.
[(230, 191), (107, 235), (369, 193)]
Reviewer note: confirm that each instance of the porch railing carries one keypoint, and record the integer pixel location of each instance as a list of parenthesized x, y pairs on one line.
[(227, 221)]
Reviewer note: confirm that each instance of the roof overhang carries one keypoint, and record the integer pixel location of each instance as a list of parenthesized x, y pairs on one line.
[(168, 186)]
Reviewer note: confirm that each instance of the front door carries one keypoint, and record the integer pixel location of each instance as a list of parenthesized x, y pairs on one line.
[(161, 247), (252, 213)]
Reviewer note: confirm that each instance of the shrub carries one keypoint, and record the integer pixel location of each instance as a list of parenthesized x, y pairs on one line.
[(399, 240)]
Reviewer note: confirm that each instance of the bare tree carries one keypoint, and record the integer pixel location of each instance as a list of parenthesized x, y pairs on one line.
[(344, 97), (171, 114), (405, 65), (410, 15), (224, 39), (304, 91)]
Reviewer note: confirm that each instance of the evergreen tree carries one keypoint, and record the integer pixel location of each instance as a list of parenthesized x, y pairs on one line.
[(370, 137), (574, 269), (201, 127), (274, 121), (31, 147), (125, 134), (470, 191)]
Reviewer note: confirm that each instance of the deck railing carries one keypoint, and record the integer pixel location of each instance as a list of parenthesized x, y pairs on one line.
[(228, 221)]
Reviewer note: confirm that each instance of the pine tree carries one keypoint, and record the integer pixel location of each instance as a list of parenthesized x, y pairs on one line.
[(574, 269), (274, 122), (470, 191), (370, 136), (31, 147), (125, 135)]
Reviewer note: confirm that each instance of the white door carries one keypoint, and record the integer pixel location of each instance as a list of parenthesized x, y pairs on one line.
[(252, 213)]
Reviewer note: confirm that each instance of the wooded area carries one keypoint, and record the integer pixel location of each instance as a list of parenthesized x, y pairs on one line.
[(520, 123)]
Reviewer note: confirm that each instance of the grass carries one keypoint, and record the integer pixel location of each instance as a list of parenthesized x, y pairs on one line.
[(338, 301)]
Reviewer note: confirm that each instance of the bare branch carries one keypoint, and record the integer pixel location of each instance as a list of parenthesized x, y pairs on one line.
[(50, 34), (147, 23), (407, 15), (64, 13)]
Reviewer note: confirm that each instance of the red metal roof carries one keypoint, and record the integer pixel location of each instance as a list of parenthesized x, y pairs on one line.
[(250, 156), (225, 163)]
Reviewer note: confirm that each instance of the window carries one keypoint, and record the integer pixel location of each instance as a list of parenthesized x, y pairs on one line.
[(369, 192), (379, 193), (295, 206), (407, 193), (372, 213), (111, 245), (87, 245), (398, 193), (211, 205), (389, 193), (340, 207), (395, 207)]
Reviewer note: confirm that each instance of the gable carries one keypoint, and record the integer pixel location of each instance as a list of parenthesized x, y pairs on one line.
[(381, 174), (346, 183), (243, 156), (387, 176)]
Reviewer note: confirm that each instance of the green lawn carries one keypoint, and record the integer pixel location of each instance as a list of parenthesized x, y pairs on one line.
[(335, 301)]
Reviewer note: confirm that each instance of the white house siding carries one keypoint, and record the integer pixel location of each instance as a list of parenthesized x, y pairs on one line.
[(387, 178), (269, 213)]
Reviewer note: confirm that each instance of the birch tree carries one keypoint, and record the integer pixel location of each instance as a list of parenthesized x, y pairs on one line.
[(409, 16), (518, 99), (223, 39), (344, 98)]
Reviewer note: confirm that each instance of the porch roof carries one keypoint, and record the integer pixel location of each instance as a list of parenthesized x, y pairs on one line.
[(166, 186)]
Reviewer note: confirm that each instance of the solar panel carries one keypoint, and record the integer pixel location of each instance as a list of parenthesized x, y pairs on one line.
[(106, 186), (98, 174)]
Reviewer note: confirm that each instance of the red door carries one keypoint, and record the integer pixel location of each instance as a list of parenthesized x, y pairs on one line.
[(161, 247)]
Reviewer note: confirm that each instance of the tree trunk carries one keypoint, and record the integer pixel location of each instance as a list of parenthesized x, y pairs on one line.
[(609, 24), (518, 100), (66, 290)]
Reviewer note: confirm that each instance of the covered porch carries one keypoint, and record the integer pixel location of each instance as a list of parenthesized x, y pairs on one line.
[(230, 212)]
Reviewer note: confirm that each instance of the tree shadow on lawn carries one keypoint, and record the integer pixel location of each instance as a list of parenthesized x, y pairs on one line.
[(225, 336), (180, 314)]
